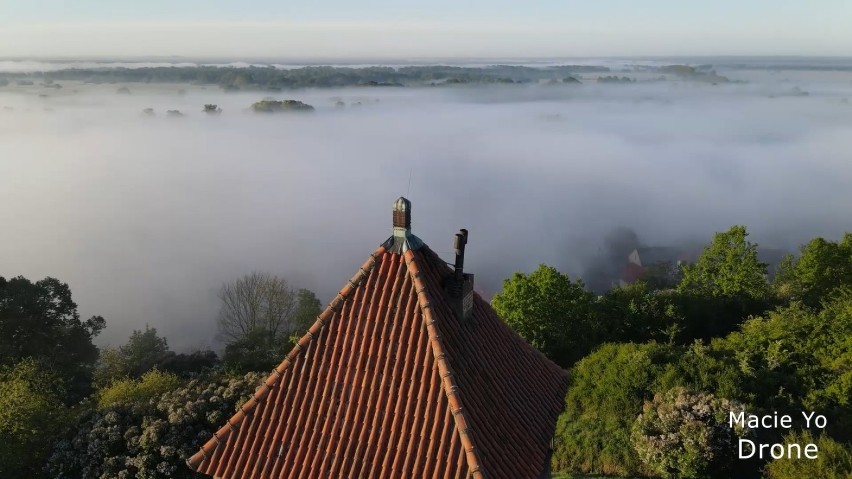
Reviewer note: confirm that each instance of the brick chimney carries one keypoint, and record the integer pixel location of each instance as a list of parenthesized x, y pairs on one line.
[(403, 239)]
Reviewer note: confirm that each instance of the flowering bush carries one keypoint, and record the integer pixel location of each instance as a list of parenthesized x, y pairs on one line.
[(151, 439), (682, 434), (129, 391)]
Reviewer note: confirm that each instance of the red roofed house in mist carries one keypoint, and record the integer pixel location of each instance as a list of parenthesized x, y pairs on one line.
[(408, 373)]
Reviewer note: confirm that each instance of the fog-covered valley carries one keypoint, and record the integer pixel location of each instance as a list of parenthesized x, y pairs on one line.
[(145, 216)]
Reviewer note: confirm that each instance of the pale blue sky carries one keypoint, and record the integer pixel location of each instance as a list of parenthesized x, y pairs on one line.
[(440, 28)]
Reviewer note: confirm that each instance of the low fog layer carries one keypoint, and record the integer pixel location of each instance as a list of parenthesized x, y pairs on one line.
[(145, 217)]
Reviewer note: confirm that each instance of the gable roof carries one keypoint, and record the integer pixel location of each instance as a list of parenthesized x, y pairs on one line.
[(391, 382)]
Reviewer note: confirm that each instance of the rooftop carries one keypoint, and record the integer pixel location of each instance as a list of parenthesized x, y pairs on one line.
[(392, 381)]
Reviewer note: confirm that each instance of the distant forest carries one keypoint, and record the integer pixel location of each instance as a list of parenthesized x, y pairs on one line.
[(274, 79)]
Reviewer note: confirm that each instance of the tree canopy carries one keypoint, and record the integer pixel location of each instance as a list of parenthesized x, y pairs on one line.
[(39, 320), (728, 267), (553, 313)]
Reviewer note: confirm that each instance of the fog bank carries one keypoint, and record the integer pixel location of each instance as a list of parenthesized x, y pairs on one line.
[(145, 217)]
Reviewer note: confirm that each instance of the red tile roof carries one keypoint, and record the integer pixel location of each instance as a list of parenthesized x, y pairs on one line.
[(390, 383)]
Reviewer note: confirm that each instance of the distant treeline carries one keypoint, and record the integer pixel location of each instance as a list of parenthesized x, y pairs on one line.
[(270, 78)]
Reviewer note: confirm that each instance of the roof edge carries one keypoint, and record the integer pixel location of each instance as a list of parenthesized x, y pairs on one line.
[(448, 382), (263, 390)]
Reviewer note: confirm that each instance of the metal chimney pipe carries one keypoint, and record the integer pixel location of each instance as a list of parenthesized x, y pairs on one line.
[(460, 242)]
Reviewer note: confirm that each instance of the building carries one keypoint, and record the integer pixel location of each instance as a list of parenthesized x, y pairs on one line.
[(641, 259), (408, 373)]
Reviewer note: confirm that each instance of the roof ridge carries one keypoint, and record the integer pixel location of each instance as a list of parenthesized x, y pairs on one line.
[(448, 382), (262, 391)]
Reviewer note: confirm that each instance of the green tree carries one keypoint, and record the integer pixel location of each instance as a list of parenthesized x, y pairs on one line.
[(31, 415), (822, 267), (637, 313), (307, 311), (257, 351), (728, 267), (40, 321), (662, 275), (554, 314), (143, 350), (795, 359), (605, 395)]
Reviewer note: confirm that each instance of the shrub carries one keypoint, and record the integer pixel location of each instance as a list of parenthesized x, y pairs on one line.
[(834, 460), (150, 439), (31, 415), (130, 391), (605, 394), (682, 434)]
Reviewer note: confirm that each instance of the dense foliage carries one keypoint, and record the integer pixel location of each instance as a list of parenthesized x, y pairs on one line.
[(31, 414), (40, 321), (553, 313), (147, 350), (834, 460), (143, 435), (682, 434), (605, 395), (721, 329)]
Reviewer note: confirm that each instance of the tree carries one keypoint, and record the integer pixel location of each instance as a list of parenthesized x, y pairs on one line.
[(31, 415), (636, 313), (684, 435), (728, 267), (605, 395), (554, 314), (662, 275), (822, 267), (143, 350), (257, 302), (40, 321), (272, 106), (307, 312), (257, 351)]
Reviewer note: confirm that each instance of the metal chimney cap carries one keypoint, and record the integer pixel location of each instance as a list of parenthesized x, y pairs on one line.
[(402, 204)]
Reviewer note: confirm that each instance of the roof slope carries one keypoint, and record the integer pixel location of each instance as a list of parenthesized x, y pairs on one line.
[(390, 383)]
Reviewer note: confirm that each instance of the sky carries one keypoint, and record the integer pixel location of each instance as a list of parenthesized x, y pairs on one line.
[(436, 29)]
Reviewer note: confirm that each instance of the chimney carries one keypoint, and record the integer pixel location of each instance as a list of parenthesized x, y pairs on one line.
[(460, 285), (402, 239), (401, 216), (461, 240)]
